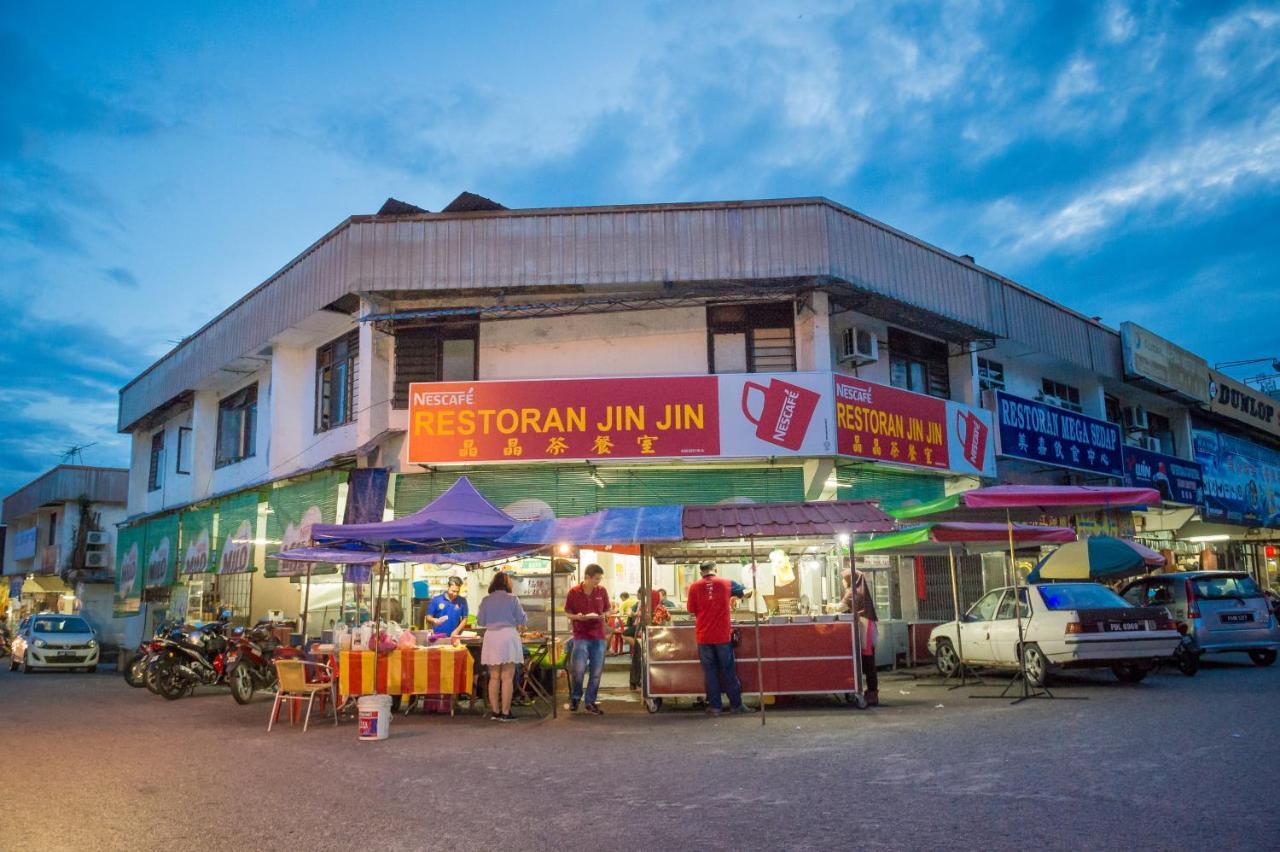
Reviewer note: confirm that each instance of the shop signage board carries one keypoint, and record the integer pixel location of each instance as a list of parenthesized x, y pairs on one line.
[(1241, 479), (1177, 480), (237, 529), (295, 508), (161, 551), (726, 416), (1242, 403), (1054, 436), (196, 541), (130, 544), (24, 543), (1149, 356), (895, 426)]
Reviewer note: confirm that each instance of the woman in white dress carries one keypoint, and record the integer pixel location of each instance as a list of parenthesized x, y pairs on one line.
[(503, 620)]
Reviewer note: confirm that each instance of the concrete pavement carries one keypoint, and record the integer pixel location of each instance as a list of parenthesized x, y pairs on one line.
[(1173, 763)]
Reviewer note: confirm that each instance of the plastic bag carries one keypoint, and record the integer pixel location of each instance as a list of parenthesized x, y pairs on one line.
[(407, 641)]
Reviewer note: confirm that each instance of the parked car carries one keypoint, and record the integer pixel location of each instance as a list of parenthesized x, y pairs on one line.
[(50, 640), (1224, 611), (1064, 625)]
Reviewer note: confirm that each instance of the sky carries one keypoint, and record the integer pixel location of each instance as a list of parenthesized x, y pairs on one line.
[(158, 161)]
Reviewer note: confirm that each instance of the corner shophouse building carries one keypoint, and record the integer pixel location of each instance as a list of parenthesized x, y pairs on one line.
[(59, 546), (793, 349)]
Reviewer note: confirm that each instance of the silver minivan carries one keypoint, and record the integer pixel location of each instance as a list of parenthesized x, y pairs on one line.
[(1224, 611)]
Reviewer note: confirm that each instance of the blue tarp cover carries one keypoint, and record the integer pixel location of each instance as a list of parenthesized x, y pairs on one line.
[(621, 525)]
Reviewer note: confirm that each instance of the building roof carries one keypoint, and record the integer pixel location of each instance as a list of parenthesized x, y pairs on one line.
[(478, 247), (784, 520), (66, 483)]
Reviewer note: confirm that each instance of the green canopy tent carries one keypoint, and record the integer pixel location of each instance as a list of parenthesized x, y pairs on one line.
[(969, 538)]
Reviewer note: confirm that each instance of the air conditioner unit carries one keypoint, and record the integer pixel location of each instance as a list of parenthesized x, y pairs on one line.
[(1135, 418), (97, 539), (1153, 444), (858, 346), (988, 399), (96, 559)]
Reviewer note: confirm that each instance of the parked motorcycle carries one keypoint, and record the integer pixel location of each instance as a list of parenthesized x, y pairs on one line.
[(1187, 656), (197, 658), (250, 661), (135, 669)]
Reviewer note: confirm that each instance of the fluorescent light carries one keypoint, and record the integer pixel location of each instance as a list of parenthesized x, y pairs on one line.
[(1203, 538), (843, 538), (564, 550)]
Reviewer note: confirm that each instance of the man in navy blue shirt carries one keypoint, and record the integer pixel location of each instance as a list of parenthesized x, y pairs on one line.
[(447, 613)]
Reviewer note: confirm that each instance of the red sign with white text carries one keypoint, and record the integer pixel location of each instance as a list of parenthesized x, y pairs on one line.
[(558, 419)]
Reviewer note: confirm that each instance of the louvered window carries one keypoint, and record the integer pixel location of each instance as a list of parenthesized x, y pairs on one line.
[(918, 364), (336, 367), (432, 354)]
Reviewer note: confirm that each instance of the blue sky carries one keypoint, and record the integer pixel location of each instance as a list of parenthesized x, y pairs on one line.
[(158, 162)]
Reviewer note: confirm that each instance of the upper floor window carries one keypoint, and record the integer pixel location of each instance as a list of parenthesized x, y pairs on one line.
[(53, 528), (237, 426), (1160, 428), (155, 474), (990, 375), (183, 464), (1112, 409), (336, 381), (434, 354), (918, 364), (1061, 395), (756, 338)]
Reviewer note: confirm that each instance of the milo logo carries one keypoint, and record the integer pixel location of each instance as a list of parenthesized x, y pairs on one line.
[(196, 559), (129, 567), (158, 562), (237, 551)]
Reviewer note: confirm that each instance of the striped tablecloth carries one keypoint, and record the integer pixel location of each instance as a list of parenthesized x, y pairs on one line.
[(422, 671)]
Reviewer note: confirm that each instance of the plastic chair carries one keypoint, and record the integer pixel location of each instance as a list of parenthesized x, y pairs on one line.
[(295, 687)]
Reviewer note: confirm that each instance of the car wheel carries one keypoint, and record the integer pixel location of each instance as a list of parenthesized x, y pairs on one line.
[(1036, 665), (947, 660), (1262, 658), (1189, 664), (1130, 672), (26, 667)]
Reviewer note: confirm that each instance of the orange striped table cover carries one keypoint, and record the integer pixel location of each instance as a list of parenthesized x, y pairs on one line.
[(421, 671)]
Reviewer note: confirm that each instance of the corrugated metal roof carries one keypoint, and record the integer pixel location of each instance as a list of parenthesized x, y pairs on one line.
[(640, 245), (67, 482), (784, 520)]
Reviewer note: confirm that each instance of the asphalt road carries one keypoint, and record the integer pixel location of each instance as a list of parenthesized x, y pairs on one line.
[(1173, 763)]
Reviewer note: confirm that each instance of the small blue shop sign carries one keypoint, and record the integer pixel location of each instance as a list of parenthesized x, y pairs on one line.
[(1177, 480)]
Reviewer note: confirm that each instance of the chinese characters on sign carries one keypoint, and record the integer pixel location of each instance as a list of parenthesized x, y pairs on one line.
[(1044, 433)]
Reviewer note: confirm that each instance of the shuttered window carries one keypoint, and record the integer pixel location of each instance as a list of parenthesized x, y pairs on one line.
[(433, 354)]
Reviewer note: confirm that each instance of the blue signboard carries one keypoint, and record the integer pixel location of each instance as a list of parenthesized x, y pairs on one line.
[(1241, 479), (1177, 480), (1050, 435)]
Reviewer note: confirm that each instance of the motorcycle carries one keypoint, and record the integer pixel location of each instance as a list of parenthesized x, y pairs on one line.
[(250, 662), (1186, 656), (135, 670), (198, 658)]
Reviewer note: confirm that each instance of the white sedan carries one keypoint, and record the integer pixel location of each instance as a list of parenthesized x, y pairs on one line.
[(1064, 625), (53, 641)]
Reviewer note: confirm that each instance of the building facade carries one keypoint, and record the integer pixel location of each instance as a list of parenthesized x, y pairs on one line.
[(759, 350)]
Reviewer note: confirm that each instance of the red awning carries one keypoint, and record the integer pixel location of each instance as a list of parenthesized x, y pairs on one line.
[(1050, 496), (784, 520)]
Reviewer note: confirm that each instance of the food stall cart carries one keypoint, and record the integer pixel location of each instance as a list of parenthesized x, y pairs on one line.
[(443, 669), (802, 654)]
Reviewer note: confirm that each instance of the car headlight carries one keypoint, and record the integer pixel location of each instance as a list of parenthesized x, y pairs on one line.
[(39, 643), (93, 643)]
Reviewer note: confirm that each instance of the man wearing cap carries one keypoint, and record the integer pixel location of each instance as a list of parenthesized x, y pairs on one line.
[(708, 601), (447, 613)]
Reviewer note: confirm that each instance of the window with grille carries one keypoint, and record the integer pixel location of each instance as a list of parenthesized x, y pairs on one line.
[(434, 354), (990, 375), (1061, 395), (918, 364), (751, 338), (237, 426), (336, 363), (155, 475)]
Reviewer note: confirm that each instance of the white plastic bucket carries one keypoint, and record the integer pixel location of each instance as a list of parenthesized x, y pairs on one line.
[(374, 713)]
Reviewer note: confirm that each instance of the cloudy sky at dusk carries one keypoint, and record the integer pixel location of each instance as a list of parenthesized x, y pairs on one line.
[(157, 163)]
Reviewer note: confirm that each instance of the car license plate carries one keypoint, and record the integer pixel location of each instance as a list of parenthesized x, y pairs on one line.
[(64, 655), (1123, 626), (1237, 617)]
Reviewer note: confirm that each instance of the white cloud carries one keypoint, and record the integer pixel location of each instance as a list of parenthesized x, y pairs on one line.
[(1079, 78), (1193, 177), (1118, 25), (1248, 39)]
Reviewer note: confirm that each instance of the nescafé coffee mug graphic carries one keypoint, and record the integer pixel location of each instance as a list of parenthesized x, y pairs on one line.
[(784, 417), (973, 437)]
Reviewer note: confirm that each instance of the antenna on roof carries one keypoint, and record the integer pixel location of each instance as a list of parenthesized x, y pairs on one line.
[(74, 454)]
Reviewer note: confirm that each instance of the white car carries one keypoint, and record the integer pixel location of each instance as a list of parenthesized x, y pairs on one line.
[(1064, 625), (54, 641)]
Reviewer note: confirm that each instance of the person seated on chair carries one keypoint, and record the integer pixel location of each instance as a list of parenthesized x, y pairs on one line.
[(447, 612)]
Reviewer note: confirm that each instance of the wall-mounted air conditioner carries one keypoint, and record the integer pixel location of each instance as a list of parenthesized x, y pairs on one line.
[(858, 346), (1153, 444), (1135, 418), (96, 538), (96, 559)]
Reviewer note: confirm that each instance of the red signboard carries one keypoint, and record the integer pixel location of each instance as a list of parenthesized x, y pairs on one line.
[(891, 425), (558, 419)]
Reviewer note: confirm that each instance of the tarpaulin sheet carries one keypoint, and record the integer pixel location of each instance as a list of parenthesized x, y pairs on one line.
[(619, 525)]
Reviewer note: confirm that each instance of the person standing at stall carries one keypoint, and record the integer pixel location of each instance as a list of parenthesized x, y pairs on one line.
[(708, 600), (447, 612), (502, 617), (857, 599), (588, 607)]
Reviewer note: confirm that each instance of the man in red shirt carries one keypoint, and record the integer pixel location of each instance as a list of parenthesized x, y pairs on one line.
[(709, 603), (588, 608)]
